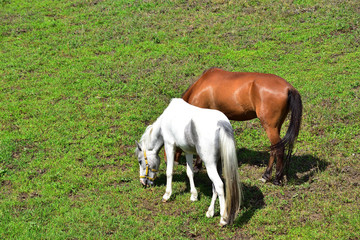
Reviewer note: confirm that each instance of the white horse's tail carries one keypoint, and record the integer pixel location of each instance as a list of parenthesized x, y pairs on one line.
[(230, 172)]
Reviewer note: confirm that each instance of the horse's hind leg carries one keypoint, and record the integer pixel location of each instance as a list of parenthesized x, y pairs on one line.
[(273, 134), (178, 154), (211, 209), (190, 174), (198, 164), (219, 188), (279, 166), (266, 177)]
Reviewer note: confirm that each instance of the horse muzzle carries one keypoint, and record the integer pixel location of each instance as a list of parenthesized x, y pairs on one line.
[(146, 182)]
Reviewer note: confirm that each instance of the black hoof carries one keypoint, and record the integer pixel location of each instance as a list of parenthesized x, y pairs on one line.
[(196, 169), (266, 177)]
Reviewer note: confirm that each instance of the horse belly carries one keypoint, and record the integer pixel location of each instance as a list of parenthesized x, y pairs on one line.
[(239, 114), (188, 149), (232, 107), (184, 144)]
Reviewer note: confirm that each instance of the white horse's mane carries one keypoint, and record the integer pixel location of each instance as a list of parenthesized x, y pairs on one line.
[(146, 137)]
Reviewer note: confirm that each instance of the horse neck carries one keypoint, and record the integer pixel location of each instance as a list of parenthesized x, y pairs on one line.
[(187, 93)]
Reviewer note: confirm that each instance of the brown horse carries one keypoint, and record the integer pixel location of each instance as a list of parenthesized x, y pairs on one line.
[(244, 96)]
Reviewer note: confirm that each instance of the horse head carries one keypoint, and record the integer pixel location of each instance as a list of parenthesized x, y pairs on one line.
[(149, 162)]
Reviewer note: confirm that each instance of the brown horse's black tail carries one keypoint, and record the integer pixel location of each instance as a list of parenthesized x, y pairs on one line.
[(295, 106)]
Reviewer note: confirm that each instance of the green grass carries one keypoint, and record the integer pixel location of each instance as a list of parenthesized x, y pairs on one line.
[(81, 80)]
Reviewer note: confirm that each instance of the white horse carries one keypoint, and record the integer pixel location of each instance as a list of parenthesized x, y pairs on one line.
[(195, 130)]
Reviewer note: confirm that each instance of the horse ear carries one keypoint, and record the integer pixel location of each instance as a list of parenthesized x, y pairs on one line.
[(138, 145)]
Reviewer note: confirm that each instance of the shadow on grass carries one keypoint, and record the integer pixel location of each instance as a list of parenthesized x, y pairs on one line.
[(252, 202), (201, 179), (301, 168)]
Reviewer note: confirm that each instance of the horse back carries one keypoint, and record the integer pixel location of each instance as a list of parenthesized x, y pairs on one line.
[(238, 95), (188, 126)]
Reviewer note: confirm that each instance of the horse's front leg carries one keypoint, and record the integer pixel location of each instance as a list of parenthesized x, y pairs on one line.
[(190, 174), (170, 151)]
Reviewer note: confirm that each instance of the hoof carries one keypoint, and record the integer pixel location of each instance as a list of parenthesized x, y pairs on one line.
[(209, 214), (197, 168), (277, 183), (266, 177), (164, 200), (223, 223), (193, 199), (263, 180)]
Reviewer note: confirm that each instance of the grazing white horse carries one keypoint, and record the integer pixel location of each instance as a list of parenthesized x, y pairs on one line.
[(195, 130)]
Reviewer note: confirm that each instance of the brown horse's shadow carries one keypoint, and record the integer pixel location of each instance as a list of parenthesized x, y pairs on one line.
[(301, 168)]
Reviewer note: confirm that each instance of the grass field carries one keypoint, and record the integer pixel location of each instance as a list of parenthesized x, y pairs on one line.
[(81, 80)]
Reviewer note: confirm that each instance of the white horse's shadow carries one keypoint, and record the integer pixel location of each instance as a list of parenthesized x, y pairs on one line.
[(201, 179), (253, 201)]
